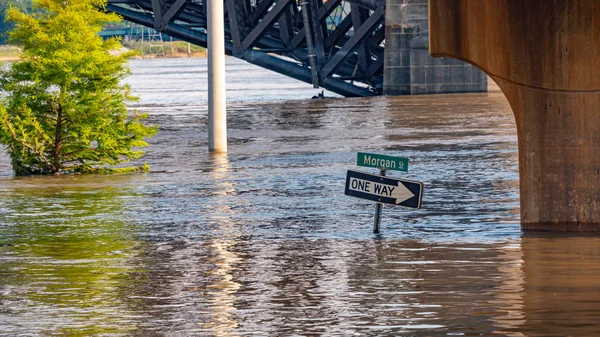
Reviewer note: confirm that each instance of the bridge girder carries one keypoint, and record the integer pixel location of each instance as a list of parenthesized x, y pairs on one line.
[(336, 44)]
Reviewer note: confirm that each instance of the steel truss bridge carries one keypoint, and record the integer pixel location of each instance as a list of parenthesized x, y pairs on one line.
[(333, 44)]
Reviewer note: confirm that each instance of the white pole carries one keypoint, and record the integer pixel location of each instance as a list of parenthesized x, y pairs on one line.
[(217, 115)]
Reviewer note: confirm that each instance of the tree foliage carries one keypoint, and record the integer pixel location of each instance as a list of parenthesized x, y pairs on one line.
[(65, 105)]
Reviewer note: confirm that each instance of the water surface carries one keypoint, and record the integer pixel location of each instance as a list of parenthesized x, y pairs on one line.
[(263, 241)]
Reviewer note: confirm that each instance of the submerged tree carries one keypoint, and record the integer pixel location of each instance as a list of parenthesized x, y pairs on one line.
[(65, 105)]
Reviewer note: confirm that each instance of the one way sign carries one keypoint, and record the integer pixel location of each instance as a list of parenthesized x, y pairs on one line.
[(384, 190)]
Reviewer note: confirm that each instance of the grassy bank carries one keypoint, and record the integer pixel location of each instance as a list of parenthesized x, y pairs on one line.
[(145, 50), (165, 49), (9, 53)]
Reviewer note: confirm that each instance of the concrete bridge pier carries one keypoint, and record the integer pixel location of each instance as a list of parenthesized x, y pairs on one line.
[(408, 67), (545, 57)]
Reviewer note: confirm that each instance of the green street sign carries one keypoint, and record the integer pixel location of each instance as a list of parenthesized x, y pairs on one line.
[(382, 162)]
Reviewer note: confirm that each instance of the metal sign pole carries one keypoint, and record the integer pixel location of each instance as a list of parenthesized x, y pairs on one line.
[(378, 209)]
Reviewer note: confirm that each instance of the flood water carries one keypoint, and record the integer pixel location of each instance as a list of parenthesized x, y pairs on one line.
[(263, 242)]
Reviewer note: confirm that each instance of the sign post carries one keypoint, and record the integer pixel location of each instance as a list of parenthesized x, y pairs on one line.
[(378, 209), (382, 189)]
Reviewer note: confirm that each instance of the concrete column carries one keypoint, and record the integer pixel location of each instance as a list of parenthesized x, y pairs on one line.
[(544, 56), (402, 24), (408, 67), (217, 114)]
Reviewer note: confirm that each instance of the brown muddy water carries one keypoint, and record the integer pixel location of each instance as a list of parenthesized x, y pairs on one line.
[(263, 242)]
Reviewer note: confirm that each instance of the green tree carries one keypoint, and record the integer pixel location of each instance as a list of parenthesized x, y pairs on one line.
[(65, 108)]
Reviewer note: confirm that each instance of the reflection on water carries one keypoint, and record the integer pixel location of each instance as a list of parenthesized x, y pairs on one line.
[(561, 294), (261, 241), (62, 258), (223, 287)]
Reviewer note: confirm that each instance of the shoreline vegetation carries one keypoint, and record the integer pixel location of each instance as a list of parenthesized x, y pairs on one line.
[(169, 49)]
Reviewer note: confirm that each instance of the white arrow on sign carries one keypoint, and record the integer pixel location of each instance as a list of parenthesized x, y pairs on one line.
[(399, 192)]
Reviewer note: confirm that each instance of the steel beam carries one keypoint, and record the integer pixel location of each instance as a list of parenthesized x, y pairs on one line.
[(236, 17), (358, 17), (303, 74), (260, 11), (354, 41), (324, 12), (278, 27), (162, 15), (265, 23), (286, 27), (318, 32), (312, 58)]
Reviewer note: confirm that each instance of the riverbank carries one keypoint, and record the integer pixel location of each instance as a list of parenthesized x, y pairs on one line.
[(9, 53), (171, 49)]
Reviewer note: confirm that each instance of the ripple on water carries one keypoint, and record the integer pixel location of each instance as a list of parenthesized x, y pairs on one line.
[(263, 241)]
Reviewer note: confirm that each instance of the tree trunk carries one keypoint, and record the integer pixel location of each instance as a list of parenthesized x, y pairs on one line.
[(57, 141)]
